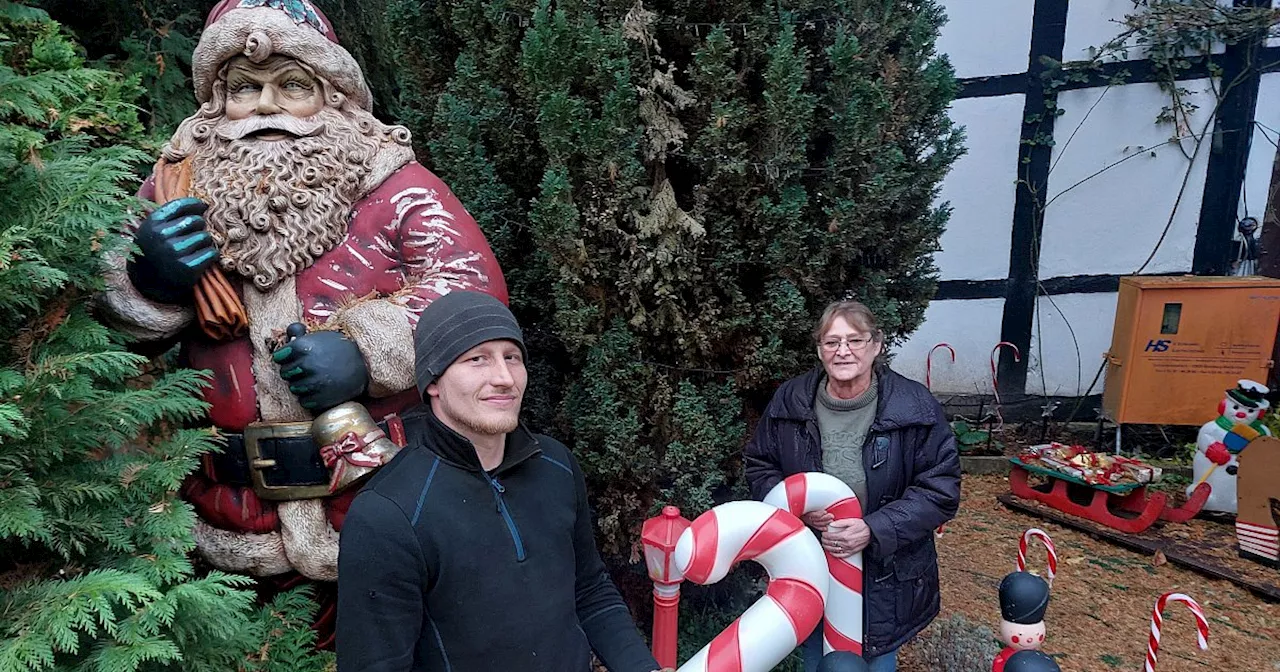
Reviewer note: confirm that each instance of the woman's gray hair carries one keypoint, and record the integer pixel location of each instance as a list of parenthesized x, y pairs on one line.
[(855, 313)]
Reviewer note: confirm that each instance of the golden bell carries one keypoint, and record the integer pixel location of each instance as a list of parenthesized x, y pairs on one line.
[(351, 444)]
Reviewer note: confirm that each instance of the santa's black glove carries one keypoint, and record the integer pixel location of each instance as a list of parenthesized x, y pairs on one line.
[(323, 368), (176, 251)]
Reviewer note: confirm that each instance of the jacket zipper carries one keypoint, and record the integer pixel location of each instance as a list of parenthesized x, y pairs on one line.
[(506, 515)]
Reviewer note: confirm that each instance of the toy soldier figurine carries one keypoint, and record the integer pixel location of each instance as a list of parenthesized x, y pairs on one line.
[(293, 246), (1031, 661), (1024, 597)]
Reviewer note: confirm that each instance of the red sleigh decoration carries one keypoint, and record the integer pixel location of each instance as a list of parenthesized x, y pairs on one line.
[(1128, 508)]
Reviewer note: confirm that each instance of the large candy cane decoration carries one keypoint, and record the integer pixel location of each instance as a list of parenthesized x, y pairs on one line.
[(809, 492), (1048, 546), (792, 606), (1157, 619)]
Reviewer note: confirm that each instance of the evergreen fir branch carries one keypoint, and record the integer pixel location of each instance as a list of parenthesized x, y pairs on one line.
[(65, 610), (32, 653), (20, 513), (288, 642), (36, 98), (128, 654), (13, 424), (19, 13)]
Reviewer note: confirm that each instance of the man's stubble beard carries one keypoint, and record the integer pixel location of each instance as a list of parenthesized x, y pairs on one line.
[(277, 206), (482, 424)]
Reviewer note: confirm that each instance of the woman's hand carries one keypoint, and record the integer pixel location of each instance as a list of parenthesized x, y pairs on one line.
[(843, 538), (818, 520)]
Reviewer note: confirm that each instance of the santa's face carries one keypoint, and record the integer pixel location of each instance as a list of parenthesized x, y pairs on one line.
[(278, 85), (1022, 637)]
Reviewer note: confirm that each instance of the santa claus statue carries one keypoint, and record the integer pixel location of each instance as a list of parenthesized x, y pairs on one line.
[(293, 245), (1219, 443)]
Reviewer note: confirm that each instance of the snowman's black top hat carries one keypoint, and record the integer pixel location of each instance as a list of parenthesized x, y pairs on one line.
[(1023, 598), (1251, 394)]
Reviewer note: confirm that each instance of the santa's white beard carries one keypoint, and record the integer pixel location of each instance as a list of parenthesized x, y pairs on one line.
[(277, 206)]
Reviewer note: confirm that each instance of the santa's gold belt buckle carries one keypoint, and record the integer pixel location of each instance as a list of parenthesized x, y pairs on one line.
[(259, 463)]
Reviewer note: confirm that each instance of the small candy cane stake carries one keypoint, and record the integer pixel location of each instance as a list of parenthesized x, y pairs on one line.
[(995, 383), (1048, 546), (928, 364), (1157, 619)]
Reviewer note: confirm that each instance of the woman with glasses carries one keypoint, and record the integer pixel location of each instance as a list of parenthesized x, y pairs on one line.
[(888, 439)]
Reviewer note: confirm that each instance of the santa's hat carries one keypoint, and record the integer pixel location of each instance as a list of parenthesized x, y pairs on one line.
[(262, 28), (1251, 394)]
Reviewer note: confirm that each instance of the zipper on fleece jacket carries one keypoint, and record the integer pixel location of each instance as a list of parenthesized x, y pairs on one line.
[(498, 490)]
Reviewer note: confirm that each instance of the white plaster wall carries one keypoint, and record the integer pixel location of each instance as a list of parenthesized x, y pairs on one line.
[(1262, 148), (987, 37), (1109, 223), (1091, 23), (972, 327), (1092, 317), (981, 190)]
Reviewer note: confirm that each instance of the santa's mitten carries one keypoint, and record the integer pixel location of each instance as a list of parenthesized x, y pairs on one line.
[(1217, 453)]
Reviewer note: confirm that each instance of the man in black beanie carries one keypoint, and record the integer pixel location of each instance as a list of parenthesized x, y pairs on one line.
[(474, 550)]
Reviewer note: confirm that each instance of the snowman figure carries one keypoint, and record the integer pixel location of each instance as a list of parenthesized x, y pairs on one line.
[(1220, 442), (1024, 597)]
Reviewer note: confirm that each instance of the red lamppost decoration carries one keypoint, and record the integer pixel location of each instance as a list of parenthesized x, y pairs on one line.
[(659, 536)]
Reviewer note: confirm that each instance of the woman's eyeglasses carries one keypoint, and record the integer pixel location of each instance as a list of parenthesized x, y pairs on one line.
[(855, 344)]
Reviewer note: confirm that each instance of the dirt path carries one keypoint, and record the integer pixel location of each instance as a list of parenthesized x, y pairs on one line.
[(1102, 598)]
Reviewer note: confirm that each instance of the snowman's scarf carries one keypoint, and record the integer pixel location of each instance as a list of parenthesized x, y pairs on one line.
[(1229, 424)]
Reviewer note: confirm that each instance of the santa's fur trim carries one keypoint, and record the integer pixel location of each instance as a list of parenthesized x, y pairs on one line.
[(273, 309), (309, 540), (255, 554), (260, 32)]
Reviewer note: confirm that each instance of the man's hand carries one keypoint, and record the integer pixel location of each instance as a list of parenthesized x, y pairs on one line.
[(324, 368), (1217, 453), (176, 251), (818, 520), (845, 537)]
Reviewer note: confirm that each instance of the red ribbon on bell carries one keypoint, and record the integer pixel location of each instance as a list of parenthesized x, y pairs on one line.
[(349, 450)]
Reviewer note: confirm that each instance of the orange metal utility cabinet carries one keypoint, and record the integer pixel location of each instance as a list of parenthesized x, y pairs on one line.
[(1179, 342)]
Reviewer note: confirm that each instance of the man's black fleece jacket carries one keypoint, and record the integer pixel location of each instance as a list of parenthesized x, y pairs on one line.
[(445, 567)]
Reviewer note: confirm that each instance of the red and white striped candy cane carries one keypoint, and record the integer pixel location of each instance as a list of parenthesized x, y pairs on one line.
[(928, 364), (1157, 619), (1048, 546), (792, 606), (814, 491)]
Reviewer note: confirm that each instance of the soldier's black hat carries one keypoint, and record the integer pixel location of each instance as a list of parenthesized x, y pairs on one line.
[(1030, 661), (1023, 598)]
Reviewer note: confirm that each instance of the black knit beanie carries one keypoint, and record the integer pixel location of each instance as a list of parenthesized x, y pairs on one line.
[(455, 323)]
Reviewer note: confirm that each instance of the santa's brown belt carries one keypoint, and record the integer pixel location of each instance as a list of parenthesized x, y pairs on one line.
[(280, 460)]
